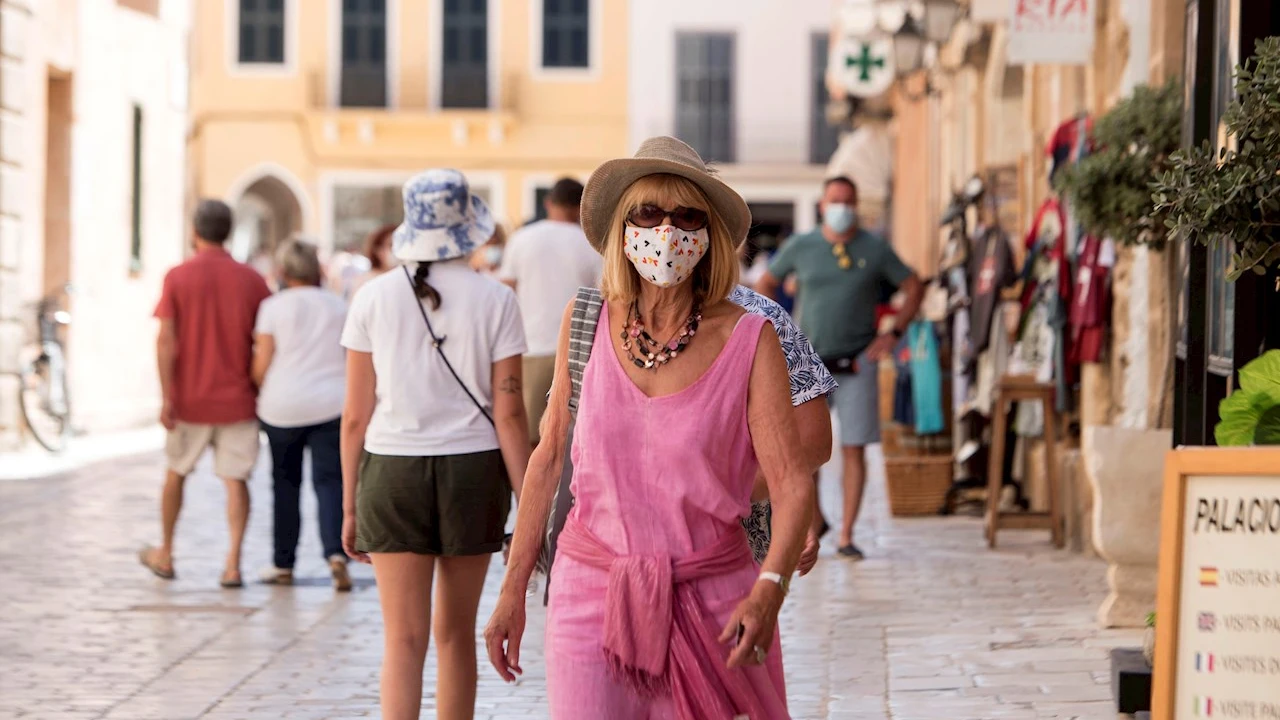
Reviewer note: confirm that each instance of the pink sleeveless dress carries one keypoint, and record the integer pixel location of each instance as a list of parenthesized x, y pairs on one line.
[(657, 481)]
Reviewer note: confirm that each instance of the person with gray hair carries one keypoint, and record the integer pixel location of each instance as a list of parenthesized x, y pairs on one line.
[(300, 370)]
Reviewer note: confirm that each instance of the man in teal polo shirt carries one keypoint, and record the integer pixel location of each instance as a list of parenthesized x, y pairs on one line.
[(841, 271)]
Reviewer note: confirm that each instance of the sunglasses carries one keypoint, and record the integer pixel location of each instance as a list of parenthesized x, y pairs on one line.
[(651, 216)]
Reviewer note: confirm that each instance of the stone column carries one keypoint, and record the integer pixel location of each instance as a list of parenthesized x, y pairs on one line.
[(15, 23), (1125, 469)]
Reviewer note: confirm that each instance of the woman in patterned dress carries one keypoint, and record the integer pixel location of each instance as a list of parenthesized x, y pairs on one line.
[(657, 609)]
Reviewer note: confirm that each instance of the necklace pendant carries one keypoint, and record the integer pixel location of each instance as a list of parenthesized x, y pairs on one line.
[(648, 364)]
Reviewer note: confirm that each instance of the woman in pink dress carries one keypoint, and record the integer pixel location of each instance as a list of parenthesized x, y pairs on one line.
[(657, 609)]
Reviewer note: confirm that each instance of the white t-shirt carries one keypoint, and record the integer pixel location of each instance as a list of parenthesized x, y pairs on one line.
[(307, 377), (548, 260), (421, 411)]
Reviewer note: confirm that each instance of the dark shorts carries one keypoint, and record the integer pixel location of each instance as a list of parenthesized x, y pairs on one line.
[(445, 505)]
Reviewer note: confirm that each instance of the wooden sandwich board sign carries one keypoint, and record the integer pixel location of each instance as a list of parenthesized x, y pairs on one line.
[(1217, 651)]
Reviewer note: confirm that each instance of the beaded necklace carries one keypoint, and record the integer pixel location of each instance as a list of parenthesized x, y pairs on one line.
[(649, 354)]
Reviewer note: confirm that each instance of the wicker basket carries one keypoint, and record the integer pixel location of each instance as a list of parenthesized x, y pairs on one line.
[(917, 485)]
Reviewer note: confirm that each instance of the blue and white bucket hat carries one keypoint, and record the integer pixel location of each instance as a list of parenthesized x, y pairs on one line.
[(442, 219)]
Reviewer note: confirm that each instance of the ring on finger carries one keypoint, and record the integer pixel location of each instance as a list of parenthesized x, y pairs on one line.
[(760, 655)]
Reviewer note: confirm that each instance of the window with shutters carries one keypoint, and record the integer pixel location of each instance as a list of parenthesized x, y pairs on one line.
[(261, 32), (823, 138), (364, 54), (566, 33), (135, 189), (704, 94), (464, 72)]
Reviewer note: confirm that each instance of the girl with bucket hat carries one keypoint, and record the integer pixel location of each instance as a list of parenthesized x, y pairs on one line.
[(657, 608), (434, 438)]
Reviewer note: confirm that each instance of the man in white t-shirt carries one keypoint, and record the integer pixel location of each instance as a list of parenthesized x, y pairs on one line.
[(546, 262)]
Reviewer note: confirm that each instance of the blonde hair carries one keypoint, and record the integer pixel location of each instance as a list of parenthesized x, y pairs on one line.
[(713, 278)]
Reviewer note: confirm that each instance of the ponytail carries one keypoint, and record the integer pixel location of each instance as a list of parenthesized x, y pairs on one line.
[(422, 289)]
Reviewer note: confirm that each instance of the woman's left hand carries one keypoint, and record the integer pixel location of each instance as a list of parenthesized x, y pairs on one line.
[(758, 617)]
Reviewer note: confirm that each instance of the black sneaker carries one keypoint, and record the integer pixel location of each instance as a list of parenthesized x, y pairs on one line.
[(851, 551)]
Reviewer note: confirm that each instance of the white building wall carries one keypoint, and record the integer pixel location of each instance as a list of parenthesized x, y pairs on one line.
[(114, 57), (772, 92), (126, 57)]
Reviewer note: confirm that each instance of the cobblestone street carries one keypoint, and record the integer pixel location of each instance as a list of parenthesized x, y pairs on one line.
[(932, 625)]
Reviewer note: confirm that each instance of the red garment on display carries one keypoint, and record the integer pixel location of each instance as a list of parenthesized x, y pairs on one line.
[(1049, 210), (1091, 306)]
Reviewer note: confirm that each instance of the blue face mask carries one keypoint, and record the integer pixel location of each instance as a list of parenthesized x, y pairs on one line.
[(839, 217)]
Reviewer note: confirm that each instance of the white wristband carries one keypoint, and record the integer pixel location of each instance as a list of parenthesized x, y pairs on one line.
[(774, 577)]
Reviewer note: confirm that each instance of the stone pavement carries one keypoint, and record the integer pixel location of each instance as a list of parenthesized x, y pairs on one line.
[(931, 626)]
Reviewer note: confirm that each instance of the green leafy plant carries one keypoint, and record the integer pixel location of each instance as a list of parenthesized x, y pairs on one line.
[(1109, 190), (1151, 620), (1235, 193), (1251, 414)]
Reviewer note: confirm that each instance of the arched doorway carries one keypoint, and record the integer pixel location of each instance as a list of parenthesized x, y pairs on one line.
[(266, 214)]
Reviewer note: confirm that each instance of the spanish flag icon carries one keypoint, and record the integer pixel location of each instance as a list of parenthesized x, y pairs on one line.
[(1208, 577)]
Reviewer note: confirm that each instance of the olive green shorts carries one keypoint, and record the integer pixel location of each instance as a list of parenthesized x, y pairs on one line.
[(445, 505)]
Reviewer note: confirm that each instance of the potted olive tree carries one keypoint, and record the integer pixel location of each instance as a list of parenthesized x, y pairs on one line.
[(1234, 194), (1109, 193)]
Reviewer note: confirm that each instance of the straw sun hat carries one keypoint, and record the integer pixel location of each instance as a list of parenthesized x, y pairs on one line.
[(659, 155)]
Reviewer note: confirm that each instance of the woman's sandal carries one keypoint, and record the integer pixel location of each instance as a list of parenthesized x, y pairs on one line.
[(850, 551), (147, 556)]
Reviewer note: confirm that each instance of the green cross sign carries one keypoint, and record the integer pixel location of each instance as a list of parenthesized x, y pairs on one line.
[(864, 62)]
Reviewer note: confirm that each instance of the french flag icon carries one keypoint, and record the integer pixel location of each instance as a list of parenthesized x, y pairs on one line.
[(1204, 662)]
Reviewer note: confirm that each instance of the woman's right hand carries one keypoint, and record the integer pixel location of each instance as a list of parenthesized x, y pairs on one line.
[(349, 539), (503, 634)]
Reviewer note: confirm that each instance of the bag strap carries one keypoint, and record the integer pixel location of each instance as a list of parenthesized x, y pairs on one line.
[(438, 342), (582, 336)]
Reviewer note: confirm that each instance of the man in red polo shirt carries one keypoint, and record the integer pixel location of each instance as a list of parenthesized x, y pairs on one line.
[(207, 312)]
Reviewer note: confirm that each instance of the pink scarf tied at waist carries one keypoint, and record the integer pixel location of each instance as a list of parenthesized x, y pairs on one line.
[(657, 631)]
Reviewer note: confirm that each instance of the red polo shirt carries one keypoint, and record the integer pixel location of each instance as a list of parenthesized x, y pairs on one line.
[(213, 302)]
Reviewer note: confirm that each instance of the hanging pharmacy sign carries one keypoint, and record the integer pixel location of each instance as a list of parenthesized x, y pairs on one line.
[(1051, 32), (1218, 617), (864, 65)]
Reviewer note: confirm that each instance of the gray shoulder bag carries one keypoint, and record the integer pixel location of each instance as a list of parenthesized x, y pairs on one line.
[(582, 334)]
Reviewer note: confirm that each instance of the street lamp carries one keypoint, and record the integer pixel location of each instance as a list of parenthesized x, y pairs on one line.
[(908, 47), (929, 25), (940, 18)]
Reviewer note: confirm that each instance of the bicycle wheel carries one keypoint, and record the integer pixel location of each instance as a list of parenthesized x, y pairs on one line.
[(51, 427)]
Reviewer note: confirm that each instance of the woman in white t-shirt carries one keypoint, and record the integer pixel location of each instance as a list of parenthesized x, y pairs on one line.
[(433, 438), (299, 368)]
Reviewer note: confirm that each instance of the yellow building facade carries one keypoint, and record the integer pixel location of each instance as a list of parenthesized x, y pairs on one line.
[(308, 115)]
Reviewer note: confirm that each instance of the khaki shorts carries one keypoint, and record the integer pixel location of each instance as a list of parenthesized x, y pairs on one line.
[(235, 448), (538, 373)]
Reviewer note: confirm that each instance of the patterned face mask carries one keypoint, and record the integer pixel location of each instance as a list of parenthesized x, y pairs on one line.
[(665, 255)]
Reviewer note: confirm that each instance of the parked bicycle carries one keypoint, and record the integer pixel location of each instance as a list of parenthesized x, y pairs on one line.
[(44, 398)]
